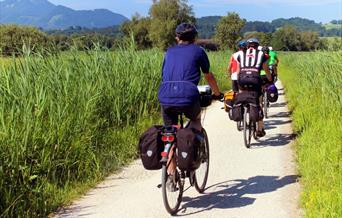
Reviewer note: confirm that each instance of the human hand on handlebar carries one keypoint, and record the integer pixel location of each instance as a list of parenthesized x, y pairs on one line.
[(218, 97)]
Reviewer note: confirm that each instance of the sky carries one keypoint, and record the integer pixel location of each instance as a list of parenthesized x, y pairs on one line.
[(251, 10)]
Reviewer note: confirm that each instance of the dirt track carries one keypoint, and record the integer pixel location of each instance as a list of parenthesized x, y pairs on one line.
[(256, 182)]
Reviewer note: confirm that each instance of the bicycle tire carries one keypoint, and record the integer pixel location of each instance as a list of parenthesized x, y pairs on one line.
[(171, 209), (200, 183), (246, 129), (265, 105)]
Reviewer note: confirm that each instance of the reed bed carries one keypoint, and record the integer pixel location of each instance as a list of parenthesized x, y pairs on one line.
[(313, 84)]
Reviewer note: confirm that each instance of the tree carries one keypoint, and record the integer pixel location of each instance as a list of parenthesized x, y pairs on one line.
[(138, 27), (14, 38), (264, 38), (165, 16), (287, 39), (309, 41), (228, 30)]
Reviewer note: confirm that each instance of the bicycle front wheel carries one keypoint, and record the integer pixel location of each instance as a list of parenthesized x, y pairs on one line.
[(201, 174), (265, 105), (172, 193)]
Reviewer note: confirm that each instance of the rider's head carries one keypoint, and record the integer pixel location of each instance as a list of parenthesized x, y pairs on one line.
[(242, 45), (253, 42), (186, 32), (265, 49)]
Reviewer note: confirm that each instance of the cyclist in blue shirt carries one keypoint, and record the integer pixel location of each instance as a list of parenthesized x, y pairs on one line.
[(181, 74)]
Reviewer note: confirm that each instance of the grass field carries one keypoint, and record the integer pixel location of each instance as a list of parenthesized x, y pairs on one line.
[(68, 120), (313, 88)]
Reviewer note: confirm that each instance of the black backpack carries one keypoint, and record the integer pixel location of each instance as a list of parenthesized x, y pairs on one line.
[(150, 148), (189, 146)]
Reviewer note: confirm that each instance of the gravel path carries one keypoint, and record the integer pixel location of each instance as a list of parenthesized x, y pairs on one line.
[(256, 182)]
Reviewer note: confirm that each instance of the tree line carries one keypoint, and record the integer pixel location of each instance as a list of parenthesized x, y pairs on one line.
[(157, 30), (207, 26)]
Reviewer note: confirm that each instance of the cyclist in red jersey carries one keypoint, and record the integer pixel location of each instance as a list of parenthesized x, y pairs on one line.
[(233, 67)]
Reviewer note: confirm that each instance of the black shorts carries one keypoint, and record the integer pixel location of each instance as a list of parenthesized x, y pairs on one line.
[(170, 113)]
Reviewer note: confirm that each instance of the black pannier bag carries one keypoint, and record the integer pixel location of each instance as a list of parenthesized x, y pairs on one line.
[(150, 148), (189, 148), (249, 79), (236, 113), (255, 113), (250, 98)]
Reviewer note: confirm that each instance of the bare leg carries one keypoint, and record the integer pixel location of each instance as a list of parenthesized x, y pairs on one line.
[(171, 162)]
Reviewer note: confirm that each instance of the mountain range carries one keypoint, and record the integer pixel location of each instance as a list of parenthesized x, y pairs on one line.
[(44, 14)]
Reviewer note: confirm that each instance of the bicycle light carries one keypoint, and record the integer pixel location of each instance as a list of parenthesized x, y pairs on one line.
[(168, 138)]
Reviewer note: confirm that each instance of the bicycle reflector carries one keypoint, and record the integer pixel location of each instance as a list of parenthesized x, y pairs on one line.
[(168, 138)]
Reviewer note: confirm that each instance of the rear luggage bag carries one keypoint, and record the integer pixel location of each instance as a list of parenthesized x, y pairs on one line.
[(247, 97), (255, 113), (249, 79), (237, 112), (229, 100), (251, 98), (150, 148), (189, 143)]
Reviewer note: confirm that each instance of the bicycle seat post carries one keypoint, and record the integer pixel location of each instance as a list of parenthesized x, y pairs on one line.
[(181, 120)]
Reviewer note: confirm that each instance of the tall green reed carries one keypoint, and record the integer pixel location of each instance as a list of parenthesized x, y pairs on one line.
[(313, 87), (60, 118)]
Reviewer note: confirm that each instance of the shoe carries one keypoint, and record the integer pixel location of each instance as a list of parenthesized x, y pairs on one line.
[(170, 184), (261, 133)]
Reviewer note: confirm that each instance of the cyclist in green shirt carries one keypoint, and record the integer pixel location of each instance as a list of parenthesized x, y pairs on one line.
[(273, 62), (262, 71)]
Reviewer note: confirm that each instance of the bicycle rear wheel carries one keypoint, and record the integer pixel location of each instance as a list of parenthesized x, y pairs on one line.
[(247, 128), (201, 174), (172, 195)]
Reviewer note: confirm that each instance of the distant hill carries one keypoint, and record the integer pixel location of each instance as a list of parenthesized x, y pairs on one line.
[(43, 14), (206, 26)]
